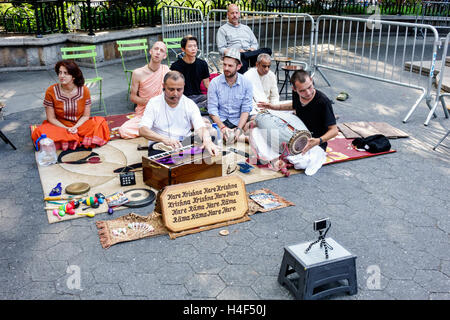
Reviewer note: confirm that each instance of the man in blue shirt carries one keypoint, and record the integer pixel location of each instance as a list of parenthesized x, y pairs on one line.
[(230, 97)]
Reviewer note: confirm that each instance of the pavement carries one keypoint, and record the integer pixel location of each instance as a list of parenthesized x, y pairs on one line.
[(391, 211)]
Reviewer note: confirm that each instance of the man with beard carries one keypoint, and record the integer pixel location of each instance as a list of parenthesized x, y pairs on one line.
[(236, 35), (146, 82), (170, 116), (230, 98), (313, 108)]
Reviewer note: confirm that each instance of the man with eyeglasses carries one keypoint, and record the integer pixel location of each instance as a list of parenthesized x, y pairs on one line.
[(264, 82)]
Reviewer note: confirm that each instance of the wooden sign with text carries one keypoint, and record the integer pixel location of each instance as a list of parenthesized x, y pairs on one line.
[(205, 202)]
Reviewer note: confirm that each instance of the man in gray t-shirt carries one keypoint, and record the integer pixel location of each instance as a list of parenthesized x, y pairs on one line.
[(233, 34)]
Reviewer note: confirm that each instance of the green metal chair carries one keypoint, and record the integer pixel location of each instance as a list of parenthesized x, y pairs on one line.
[(172, 43), (131, 45), (88, 52)]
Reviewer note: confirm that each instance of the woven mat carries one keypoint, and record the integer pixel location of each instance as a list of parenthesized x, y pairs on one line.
[(109, 230), (362, 129)]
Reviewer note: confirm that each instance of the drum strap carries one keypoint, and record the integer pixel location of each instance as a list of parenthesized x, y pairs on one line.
[(281, 164)]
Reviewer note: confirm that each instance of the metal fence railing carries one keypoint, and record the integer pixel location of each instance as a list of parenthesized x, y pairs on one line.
[(178, 22), (388, 51), (54, 16), (436, 14), (287, 34), (439, 94)]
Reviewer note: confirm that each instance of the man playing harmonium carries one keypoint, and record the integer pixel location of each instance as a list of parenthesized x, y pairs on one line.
[(170, 116)]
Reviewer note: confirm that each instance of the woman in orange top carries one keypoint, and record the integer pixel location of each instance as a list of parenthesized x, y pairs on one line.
[(68, 107)]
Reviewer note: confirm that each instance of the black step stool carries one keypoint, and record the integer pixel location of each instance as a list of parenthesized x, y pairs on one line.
[(311, 276)]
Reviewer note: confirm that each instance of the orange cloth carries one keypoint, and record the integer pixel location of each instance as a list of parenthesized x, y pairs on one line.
[(92, 133), (149, 88)]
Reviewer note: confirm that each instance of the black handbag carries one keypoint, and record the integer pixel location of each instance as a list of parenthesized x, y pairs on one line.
[(373, 144)]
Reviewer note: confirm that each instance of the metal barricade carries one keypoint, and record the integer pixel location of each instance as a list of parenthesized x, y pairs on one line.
[(436, 14), (388, 51), (178, 22), (287, 34), (439, 94)]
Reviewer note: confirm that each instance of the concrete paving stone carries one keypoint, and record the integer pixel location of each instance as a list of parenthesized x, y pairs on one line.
[(204, 286), (37, 290), (13, 276), (174, 273), (267, 265), (180, 253), (169, 292), (157, 244), (444, 225), (373, 295), (69, 284), (101, 291), (75, 234), (390, 212), (63, 251), (406, 290), (268, 288), (147, 262), (87, 260), (439, 296), (238, 254), (240, 237), (212, 245), (420, 220), (238, 275), (237, 293), (111, 272), (207, 263), (268, 247), (41, 269), (433, 281), (445, 267), (139, 284), (121, 252)]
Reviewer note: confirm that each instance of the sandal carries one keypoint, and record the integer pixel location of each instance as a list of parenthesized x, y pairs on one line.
[(342, 96)]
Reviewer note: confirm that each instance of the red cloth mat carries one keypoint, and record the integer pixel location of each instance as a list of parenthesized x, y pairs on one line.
[(340, 149)]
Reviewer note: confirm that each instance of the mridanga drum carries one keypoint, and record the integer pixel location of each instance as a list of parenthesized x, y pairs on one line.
[(283, 130)]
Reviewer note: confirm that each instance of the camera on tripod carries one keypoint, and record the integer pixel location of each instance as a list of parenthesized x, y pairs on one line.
[(321, 224)]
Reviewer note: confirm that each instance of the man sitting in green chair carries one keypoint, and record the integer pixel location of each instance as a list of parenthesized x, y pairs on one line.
[(195, 71), (146, 83)]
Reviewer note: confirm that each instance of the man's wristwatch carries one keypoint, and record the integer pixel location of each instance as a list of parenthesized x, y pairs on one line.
[(320, 141)]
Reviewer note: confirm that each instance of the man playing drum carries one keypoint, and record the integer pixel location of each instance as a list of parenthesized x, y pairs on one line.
[(313, 108)]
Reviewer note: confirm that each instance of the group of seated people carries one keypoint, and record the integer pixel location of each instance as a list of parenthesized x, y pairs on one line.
[(171, 104)]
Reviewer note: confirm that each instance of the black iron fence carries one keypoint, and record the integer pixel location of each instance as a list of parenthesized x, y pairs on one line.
[(60, 16)]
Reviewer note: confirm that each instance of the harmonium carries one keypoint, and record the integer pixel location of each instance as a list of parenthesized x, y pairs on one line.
[(185, 164)]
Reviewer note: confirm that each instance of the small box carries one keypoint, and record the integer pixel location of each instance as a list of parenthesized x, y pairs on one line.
[(127, 179), (186, 169)]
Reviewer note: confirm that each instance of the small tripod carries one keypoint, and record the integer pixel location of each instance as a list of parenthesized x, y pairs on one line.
[(322, 241)]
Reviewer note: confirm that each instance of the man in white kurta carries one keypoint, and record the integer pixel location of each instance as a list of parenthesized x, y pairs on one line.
[(169, 117), (265, 87)]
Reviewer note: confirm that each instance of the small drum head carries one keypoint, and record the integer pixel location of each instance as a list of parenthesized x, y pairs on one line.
[(139, 198), (77, 188), (298, 142)]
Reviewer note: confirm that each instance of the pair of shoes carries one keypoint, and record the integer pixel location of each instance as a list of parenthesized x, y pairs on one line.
[(342, 96)]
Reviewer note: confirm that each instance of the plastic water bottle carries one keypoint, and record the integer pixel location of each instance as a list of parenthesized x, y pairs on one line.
[(219, 136), (47, 151)]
